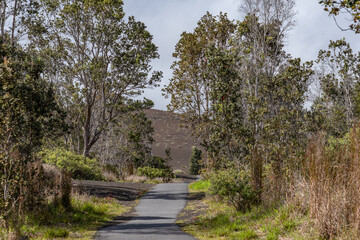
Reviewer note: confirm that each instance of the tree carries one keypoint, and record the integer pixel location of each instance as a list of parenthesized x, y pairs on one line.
[(97, 60), (138, 133), (349, 7), (337, 107), (228, 136), (195, 165), (28, 113), (284, 129), (260, 39), (190, 86), (128, 140)]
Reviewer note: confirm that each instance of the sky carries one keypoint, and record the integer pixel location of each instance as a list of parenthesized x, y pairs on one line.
[(167, 19)]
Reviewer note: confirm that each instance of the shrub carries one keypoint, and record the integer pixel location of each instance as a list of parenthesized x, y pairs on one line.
[(195, 158), (78, 166), (235, 187), (158, 162), (155, 172)]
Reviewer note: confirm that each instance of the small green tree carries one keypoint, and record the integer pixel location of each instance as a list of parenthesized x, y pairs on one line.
[(195, 164)]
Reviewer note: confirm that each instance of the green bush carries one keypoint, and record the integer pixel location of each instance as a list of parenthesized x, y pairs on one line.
[(235, 187), (158, 162), (155, 172), (78, 166), (195, 158)]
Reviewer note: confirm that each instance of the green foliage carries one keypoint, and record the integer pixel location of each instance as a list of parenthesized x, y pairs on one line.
[(235, 187), (78, 166), (56, 233), (222, 222), (93, 92), (28, 113), (240, 92), (86, 216), (335, 110), (138, 132), (158, 162), (336, 144), (200, 185), (244, 235), (152, 172), (192, 82), (195, 164), (158, 167)]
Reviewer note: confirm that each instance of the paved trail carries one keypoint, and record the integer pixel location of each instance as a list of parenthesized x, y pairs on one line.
[(155, 216)]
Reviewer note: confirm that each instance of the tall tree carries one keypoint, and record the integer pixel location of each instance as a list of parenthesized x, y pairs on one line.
[(97, 60), (228, 133), (192, 81)]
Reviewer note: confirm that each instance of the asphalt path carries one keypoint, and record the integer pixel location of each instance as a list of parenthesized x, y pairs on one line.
[(155, 216)]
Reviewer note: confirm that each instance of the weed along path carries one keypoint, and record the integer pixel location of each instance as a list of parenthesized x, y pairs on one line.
[(155, 216)]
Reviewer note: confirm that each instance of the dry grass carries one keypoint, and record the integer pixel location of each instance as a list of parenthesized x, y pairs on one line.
[(136, 179), (334, 185), (110, 176), (298, 196)]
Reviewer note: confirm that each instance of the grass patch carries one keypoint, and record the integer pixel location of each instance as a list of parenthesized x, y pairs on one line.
[(81, 222), (56, 233), (222, 221), (199, 186)]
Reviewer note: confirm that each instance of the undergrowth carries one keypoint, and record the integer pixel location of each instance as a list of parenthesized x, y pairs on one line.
[(200, 186), (222, 221), (81, 222)]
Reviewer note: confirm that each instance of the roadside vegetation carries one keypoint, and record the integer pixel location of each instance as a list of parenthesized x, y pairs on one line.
[(322, 205), (222, 221), (71, 69), (272, 169), (86, 215), (65, 114)]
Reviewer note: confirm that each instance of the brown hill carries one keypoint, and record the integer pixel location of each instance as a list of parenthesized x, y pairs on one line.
[(168, 133)]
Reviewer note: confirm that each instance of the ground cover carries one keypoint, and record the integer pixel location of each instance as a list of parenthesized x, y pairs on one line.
[(206, 217)]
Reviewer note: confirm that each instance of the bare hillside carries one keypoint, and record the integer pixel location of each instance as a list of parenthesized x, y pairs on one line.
[(168, 133)]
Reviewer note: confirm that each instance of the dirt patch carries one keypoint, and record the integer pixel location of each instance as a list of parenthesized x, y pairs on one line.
[(126, 193), (194, 208)]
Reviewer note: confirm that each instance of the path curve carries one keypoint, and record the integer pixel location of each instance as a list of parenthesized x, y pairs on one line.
[(155, 216)]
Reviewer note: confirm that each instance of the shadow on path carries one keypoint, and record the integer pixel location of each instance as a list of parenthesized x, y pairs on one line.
[(154, 217)]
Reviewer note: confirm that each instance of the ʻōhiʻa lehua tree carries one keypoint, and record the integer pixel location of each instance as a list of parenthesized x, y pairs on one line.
[(96, 58)]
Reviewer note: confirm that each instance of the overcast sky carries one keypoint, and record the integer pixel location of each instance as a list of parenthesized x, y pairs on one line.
[(167, 19)]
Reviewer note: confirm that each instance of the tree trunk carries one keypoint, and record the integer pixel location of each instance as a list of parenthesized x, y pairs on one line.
[(256, 170), (14, 23), (3, 18)]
